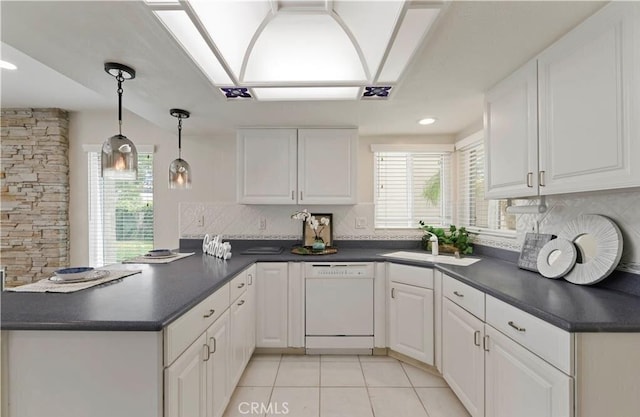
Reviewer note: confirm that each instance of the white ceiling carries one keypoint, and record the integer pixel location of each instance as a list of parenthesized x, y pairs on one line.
[(60, 49)]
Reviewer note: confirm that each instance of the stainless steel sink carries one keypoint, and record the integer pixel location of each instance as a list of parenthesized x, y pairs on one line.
[(427, 257)]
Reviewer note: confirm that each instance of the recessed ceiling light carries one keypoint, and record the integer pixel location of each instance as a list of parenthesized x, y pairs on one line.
[(427, 121), (7, 65)]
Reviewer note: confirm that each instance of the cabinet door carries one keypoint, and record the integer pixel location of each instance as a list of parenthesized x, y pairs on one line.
[(411, 321), (238, 320), (186, 382), (271, 305), (218, 389), (251, 313), (267, 160), (462, 356), (590, 104), (327, 166), (519, 383), (511, 136)]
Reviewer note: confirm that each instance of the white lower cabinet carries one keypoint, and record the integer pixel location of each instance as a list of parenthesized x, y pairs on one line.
[(519, 383), (272, 292), (463, 356), (218, 389), (186, 382), (238, 317), (411, 321)]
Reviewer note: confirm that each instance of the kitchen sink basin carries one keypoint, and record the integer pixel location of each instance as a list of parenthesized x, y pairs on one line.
[(427, 257)]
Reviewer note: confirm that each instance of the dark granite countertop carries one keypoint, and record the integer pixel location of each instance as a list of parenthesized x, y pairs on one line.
[(161, 293)]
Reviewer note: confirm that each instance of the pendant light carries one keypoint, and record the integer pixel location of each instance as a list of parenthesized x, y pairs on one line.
[(179, 169), (119, 154)]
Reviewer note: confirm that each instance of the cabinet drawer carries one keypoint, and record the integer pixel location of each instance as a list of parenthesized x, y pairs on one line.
[(237, 286), (465, 296), (410, 275), (546, 340), (183, 331)]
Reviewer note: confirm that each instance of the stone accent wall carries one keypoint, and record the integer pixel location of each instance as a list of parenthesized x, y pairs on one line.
[(34, 180)]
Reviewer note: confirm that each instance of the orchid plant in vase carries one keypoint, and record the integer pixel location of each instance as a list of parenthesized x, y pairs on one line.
[(315, 224)]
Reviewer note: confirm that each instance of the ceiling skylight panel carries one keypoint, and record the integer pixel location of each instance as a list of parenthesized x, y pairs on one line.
[(182, 28), (231, 24), (414, 27), (303, 48), (306, 93), (372, 29)]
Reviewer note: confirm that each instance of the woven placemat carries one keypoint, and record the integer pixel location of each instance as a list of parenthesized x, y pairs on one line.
[(151, 260), (45, 285)]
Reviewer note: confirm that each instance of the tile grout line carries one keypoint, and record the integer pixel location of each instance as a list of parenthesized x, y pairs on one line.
[(273, 386), (413, 387), (366, 386)]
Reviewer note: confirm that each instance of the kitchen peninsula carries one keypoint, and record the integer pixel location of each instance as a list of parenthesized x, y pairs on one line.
[(128, 325)]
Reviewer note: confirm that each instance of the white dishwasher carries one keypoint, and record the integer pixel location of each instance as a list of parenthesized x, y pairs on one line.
[(339, 307)]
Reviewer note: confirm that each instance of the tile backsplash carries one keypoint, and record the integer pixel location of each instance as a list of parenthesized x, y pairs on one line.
[(236, 221)]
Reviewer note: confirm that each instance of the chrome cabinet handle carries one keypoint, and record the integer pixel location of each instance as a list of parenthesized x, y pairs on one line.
[(530, 179), (300, 195), (240, 302), (476, 338), (515, 326), (293, 194), (541, 179), (457, 294), (241, 285), (393, 293), (205, 348), (250, 279), (211, 312), (215, 345), (485, 343)]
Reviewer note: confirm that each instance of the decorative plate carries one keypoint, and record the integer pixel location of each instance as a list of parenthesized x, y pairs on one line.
[(301, 250), (607, 248), (92, 276), (562, 264)]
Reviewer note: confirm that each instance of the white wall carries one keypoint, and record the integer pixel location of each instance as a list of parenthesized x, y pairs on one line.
[(213, 160)]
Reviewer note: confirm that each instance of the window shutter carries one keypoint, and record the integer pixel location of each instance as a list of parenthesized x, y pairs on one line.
[(473, 209), (120, 213), (412, 186)]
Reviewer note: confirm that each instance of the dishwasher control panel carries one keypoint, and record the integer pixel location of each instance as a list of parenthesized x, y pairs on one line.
[(339, 270)]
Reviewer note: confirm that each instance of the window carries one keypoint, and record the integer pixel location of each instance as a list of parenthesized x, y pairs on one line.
[(411, 186), (473, 210), (120, 213)]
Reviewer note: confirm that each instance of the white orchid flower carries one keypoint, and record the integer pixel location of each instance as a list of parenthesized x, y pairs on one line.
[(324, 221)]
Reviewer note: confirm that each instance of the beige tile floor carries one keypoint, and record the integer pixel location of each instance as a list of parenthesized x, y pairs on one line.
[(340, 386)]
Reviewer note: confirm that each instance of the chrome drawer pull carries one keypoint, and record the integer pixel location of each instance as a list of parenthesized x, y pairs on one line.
[(458, 294), (393, 293), (211, 313), (541, 179), (241, 302), (206, 351), (530, 179), (241, 285), (215, 345), (250, 279), (515, 326), (476, 338), (485, 343)]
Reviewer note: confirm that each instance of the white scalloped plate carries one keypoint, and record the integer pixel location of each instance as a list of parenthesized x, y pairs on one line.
[(608, 248)]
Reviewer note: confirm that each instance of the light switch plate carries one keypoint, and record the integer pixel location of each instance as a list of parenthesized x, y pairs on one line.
[(361, 222)]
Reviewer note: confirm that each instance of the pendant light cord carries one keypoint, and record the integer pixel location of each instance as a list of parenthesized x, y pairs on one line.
[(180, 137), (120, 79)]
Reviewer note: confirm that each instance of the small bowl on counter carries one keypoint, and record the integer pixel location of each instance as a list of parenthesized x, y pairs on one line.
[(73, 274), (159, 253)]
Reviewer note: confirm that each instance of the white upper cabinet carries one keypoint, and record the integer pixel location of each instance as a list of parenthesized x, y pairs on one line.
[(291, 166), (327, 166), (267, 165), (589, 85), (511, 135), (584, 134)]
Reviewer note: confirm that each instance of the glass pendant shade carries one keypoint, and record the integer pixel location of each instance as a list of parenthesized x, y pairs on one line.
[(179, 175), (119, 158)]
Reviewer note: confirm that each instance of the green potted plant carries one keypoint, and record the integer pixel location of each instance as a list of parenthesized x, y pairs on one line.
[(449, 240)]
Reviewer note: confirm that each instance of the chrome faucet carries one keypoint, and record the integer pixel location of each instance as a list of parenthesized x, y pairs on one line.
[(434, 243)]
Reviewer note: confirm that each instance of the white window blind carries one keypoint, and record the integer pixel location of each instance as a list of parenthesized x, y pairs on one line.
[(412, 186), (473, 209), (120, 213)]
